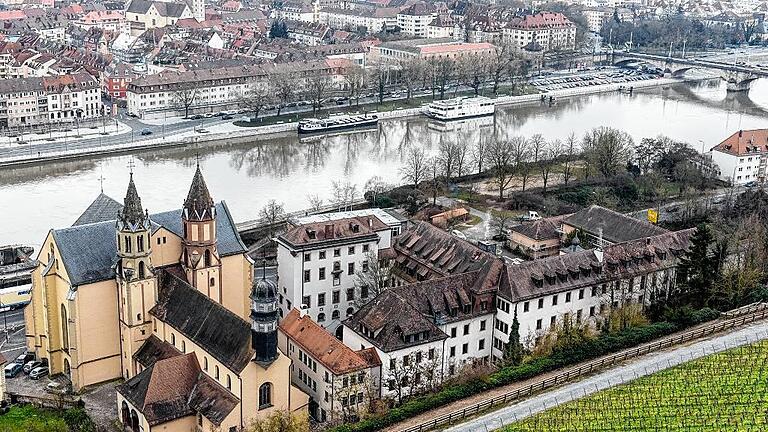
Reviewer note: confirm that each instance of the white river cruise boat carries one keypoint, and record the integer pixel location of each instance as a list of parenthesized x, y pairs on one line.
[(461, 108), (337, 122)]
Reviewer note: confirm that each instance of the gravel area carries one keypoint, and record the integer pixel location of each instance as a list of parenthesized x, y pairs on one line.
[(633, 369)]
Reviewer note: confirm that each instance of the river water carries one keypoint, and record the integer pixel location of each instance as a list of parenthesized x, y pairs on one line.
[(284, 168)]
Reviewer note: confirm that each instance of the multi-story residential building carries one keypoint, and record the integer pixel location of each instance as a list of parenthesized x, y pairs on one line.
[(742, 157), (110, 20), (297, 11), (416, 19), (49, 100), (548, 30), (393, 52), (373, 20), (168, 303), (210, 90), (442, 27), (115, 79), (340, 382), (318, 264), (311, 34)]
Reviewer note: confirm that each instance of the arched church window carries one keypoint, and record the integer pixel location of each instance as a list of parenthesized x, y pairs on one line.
[(142, 270), (64, 329), (265, 395), (207, 258), (140, 243)]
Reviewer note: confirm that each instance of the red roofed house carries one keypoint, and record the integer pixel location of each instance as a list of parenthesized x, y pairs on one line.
[(741, 158), (113, 21), (340, 381), (549, 30)]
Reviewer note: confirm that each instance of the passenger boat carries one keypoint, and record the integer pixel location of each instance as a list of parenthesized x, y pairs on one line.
[(460, 108), (337, 122), (16, 267)]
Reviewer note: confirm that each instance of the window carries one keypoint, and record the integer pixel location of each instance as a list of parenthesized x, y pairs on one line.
[(364, 291), (453, 332), (453, 351), (466, 329), (481, 344), (337, 252), (567, 297), (351, 268), (351, 250), (591, 311), (554, 300), (307, 257), (335, 315), (307, 274), (350, 311), (205, 364), (216, 372), (431, 354), (306, 301), (335, 297), (183, 346), (465, 348), (581, 294), (553, 320), (526, 306), (321, 299), (350, 294), (538, 324), (265, 395), (321, 273), (321, 317), (64, 329), (173, 339), (482, 325), (229, 383), (365, 248), (541, 303), (321, 255), (212, 281)]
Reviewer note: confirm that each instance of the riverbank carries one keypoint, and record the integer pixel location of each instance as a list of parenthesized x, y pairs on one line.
[(233, 133)]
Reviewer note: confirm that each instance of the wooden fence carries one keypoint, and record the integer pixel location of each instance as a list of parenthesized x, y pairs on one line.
[(733, 319)]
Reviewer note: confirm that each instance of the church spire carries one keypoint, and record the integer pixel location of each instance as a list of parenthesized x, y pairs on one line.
[(133, 216), (199, 204)]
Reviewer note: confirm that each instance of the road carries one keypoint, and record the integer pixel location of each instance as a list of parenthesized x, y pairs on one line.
[(636, 368)]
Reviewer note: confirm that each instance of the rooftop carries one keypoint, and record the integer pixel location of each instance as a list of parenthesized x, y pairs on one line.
[(743, 142), (389, 217), (616, 227), (338, 230)]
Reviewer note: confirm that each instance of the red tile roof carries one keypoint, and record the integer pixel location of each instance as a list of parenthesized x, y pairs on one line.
[(438, 49), (744, 142), (324, 347), (541, 20)]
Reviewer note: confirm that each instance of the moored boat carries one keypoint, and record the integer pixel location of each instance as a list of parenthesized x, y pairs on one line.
[(337, 122), (460, 108)]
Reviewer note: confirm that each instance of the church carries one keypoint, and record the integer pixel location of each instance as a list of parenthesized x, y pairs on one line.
[(168, 303)]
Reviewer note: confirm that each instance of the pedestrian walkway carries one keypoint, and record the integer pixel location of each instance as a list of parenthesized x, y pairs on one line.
[(636, 368)]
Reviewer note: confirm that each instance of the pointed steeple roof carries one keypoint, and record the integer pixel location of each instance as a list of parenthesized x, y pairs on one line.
[(199, 203), (132, 213)]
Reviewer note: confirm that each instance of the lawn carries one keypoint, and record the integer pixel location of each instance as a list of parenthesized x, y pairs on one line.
[(721, 392), (28, 418)]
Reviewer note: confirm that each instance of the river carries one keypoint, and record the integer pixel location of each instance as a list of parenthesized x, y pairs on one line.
[(36, 198)]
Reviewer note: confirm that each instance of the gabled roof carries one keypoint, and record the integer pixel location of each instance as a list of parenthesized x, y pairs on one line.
[(616, 227), (221, 333), (542, 229), (103, 208), (88, 251), (154, 349), (745, 142), (339, 230), (323, 346), (175, 387)]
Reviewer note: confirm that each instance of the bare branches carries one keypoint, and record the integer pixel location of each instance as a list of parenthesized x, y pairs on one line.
[(415, 167), (184, 99)]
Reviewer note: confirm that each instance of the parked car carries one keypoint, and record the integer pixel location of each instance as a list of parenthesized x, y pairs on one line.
[(146, 131), (22, 359), (31, 365), (227, 117), (196, 117), (750, 184), (13, 369), (38, 372)]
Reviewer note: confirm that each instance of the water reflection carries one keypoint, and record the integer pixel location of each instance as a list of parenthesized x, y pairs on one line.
[(288, 169)]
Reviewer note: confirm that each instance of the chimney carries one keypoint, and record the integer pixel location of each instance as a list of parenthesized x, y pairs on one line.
[(303, 310), (370, 223), (741, 132), (329, 231)]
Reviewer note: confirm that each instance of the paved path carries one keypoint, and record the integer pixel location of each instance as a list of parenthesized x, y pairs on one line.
[(641, 366)]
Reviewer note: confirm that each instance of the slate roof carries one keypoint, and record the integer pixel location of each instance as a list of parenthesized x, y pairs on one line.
[(166, 9), (323, 346), (334, 231), (429, 252), (199, 201), (103, 208), (224, 335), (585, 268), (88, 251), (616, 227), (154, 349), (542, 229), (176, 387)]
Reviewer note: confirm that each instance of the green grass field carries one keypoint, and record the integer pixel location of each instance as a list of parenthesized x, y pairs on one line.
[(28, 418), (721, 392)]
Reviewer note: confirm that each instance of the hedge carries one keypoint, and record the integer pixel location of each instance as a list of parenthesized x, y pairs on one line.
[(602, 345)]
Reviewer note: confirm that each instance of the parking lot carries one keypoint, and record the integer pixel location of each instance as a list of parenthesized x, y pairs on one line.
[(593, 78)]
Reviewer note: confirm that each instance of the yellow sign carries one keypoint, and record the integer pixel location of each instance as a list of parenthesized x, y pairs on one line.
[(653, 216)]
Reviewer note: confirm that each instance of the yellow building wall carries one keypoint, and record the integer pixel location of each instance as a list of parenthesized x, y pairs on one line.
[(168, 251), (237, 278)]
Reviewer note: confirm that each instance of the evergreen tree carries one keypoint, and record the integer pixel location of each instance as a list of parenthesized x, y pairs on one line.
[(513, 355), (698, 268), (278, 29)]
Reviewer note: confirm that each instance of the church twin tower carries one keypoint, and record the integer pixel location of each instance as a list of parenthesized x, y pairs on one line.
[(199, 261)]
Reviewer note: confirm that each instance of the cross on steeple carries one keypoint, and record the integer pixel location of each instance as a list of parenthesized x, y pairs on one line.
[(131, 165), (197, 157), (101, 182)]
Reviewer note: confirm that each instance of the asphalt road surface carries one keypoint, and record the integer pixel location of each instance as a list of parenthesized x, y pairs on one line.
[(641, 366)]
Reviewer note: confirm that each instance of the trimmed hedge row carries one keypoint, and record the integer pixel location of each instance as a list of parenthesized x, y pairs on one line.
[(602, 345)]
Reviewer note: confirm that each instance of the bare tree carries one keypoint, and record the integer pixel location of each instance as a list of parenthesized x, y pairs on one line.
[(433, 165), (446, 157), (355, 76), (371, 280), (462, 158), (607, 150), (500, 220), (272, 213), (478, 153), (414, 373), (521, 151), (551, 156), (254, 99), (501, 64), (344, 194), (379, 74), (571, 148), (285, 88), (315, 202), (500, 157), (374, 187), (472, 71), (316, 89), (185, 99), (411, 71), (442, 72), (415, 167)]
